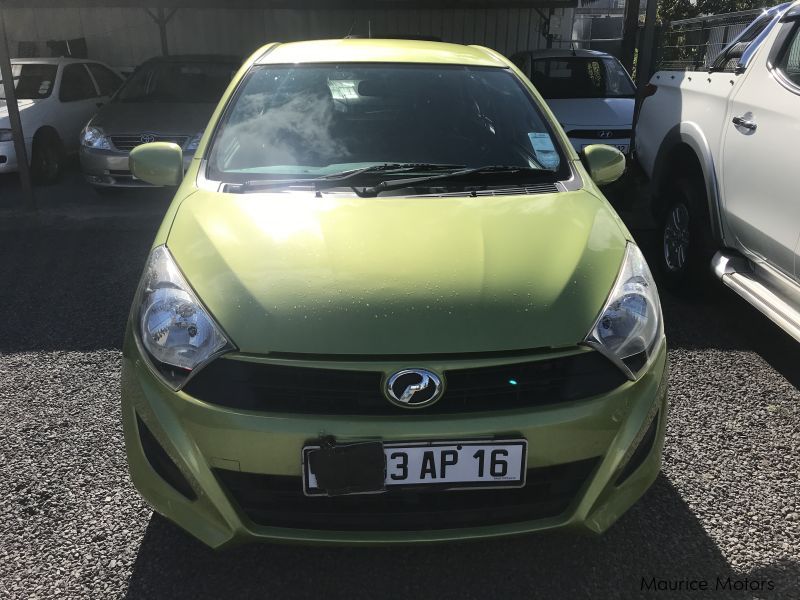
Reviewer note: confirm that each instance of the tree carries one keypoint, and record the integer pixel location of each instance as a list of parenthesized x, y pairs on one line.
[(672, 10)]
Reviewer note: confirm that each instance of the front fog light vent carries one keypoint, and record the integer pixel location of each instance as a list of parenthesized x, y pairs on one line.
[(162, 463)]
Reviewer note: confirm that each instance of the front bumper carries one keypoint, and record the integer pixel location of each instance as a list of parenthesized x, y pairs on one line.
[(200, 438), (110, 168), (8, 156)]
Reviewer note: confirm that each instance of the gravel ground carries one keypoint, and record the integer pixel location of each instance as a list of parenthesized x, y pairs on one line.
[(727, 503)]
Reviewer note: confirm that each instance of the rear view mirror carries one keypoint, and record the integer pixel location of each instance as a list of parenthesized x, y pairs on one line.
[(158, 163), (604, 163)]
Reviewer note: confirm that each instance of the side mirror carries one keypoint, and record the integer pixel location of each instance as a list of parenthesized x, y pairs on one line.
[(159, 163), (604, 163)]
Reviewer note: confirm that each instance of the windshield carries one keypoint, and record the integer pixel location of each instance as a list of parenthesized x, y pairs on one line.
[(581, 77), (32, 81), (315, 120), (197, 82)]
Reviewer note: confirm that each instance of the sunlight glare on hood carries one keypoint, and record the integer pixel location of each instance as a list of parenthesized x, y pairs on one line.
[(288, 215)]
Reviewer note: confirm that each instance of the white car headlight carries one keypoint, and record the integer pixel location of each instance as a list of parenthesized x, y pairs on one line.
[(94, 137), (6, 135), (175, 330), (630, 326), (194, 142)]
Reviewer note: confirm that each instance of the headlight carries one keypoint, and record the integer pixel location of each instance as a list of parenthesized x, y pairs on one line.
[(176, 332), (6, 135), (630, 326), (94, 137), (194, 142)]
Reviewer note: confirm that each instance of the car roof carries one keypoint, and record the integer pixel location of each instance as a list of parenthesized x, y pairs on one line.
[(563, 52), (380, 50)]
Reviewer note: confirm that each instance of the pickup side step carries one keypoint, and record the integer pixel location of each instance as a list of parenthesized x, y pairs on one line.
[(770, 291)]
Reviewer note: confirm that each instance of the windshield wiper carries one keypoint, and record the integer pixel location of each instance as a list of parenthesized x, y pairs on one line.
[(336, 179), (468, 174)]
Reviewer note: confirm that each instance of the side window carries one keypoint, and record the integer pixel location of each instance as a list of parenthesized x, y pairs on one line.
[(789, 62), (76, 84), (106, 79), (728, 59)]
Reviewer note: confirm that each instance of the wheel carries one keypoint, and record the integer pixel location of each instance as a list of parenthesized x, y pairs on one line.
[(47, 157), (685, 235)]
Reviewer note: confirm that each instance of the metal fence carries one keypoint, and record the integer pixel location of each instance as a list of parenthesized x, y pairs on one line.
[(693, 44)]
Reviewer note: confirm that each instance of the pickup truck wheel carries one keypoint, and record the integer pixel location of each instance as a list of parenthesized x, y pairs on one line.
[(676, 237), (685, 254), (47, 157)]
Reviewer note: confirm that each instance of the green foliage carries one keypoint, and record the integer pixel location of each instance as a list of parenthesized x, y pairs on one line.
[(672, 10)]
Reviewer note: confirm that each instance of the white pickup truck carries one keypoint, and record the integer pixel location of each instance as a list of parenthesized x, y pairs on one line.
[(722, 150)]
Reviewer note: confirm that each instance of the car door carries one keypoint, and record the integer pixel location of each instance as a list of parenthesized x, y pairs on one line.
[(106, 80), (759, 159), (79, 100)]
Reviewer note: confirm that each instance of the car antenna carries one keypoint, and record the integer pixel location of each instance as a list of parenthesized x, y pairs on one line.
[(350, 31), (369, 28)]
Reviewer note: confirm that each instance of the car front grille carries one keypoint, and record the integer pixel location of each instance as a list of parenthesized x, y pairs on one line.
[(600, 134), (278, 501), (274, 388), (129, 142)]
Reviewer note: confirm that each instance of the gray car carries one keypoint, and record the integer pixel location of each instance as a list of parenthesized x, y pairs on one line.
[(168, 99)]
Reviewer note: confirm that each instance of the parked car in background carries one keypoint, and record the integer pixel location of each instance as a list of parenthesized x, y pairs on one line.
[(389, 304), (56, 97), (720, 149), (590, 93), (168, 99)]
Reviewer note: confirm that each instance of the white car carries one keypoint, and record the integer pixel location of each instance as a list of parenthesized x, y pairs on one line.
[(590, 93), (56, 98), (720, 148)]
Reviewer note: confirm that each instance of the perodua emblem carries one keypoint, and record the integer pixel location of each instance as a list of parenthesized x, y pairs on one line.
[(414, 388), (606, 134)]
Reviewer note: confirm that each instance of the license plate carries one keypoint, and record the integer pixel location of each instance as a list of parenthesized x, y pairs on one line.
[(446, 465)]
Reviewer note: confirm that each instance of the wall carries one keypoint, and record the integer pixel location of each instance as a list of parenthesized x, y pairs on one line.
[(127, 36)]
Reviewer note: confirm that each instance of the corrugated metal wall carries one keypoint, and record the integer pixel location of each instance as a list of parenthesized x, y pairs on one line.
[(127, 36)]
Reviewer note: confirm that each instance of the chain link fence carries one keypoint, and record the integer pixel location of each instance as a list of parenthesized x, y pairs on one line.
[(693, 44)]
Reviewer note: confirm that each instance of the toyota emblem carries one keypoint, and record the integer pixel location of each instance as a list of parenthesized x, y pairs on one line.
[(146, 138), (414, 388)]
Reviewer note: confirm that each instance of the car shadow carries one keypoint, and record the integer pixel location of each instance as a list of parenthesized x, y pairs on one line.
[(659, 537)]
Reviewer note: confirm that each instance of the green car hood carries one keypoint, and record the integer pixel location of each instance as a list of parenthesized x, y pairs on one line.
[(340, 275)]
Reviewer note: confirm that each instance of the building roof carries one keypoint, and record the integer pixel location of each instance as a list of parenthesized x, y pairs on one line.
[(381, 50), (60, 60), (562, 52), (294, 4), (204, 58)]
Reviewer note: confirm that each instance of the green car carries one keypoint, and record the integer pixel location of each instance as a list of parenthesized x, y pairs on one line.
[(389, 304)]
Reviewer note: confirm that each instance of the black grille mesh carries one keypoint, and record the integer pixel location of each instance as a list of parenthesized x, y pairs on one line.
[(601, 134), (129, 142), (278, 501), (300, 390)]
